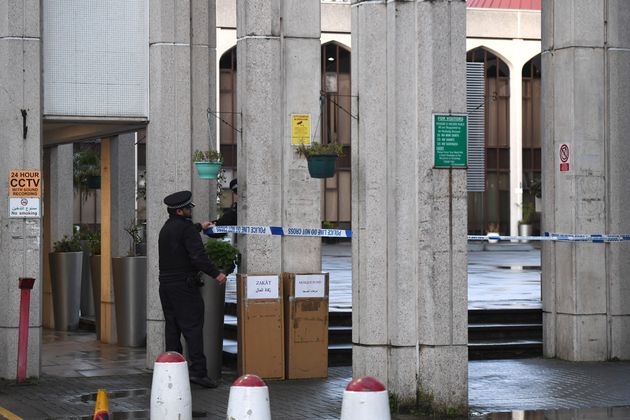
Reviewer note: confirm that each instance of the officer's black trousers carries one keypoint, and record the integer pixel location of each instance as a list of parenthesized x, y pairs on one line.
[(183, 312)]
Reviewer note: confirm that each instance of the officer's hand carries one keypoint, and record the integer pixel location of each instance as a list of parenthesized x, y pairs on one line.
[(221, 278), (206, 225)]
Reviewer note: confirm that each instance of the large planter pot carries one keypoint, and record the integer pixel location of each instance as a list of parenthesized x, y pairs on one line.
[(524, 230), (130, 297), (65, 277), (208, 170), (95, 270), (213, 295), (322, 166)]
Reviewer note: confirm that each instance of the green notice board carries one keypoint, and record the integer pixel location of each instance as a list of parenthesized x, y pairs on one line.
[(450, 140)]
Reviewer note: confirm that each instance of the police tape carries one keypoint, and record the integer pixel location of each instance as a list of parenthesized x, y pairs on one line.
[(347, 233), (555, 237), (281, 231)]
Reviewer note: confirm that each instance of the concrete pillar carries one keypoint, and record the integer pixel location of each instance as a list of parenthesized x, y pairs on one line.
[(409, 219), (179, 86), (20, 46), (123, 191), (585, 99), (516, 146), (279, 63)]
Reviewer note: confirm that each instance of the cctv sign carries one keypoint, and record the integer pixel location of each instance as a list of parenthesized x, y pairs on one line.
[(24, 193)]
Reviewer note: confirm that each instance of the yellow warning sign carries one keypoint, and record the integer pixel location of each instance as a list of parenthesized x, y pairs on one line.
[(300, 129), (25, 183)]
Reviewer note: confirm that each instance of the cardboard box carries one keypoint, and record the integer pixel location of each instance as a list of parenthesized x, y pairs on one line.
[(260, 325), (306, 325)]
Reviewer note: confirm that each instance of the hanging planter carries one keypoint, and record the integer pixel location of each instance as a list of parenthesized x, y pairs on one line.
[(322, 166), (208, 163), (93, 182), (321, 158)]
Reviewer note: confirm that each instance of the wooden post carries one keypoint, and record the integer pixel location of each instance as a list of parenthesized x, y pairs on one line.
[(107, 304)]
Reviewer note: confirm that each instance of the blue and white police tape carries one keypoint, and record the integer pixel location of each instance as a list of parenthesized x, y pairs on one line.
[(556, 237), (346, 233), (281, 231)]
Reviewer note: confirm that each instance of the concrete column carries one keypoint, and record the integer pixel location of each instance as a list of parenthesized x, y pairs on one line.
[(123, 191), (586, 93), (179, 88), (20, 45), (279, 61), (409, 219), (516, 146)]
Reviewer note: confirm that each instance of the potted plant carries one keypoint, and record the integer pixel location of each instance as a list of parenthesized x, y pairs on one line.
[(208, 163), (66, 262), (223, 255), (321, 158), (525, 224), (85, 235), (129, 274), (535, 189), (86, 171), (493, 230)]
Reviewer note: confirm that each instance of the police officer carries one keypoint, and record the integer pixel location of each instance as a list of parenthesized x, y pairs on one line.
[(229, 218), (182, 256)]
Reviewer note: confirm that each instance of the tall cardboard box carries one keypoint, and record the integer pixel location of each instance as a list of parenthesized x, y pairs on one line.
[(260, 325), (306, 325)]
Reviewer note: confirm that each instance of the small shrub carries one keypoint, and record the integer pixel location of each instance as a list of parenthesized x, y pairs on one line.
[(68, 244), (223, 255), (319, 149), (207, 156)]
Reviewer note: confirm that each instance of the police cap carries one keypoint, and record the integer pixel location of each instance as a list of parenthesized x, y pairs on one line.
[(179, 200)]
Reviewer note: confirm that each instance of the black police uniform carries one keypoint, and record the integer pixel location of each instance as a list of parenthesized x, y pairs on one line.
[(182, 256)]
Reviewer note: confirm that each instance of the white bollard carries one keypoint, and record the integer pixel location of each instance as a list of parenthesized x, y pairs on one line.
[(365, 399), (170, 389), (249, 399)]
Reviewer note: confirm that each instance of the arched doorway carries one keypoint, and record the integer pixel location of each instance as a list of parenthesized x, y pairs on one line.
[(335, 126), (228, 118), (492, 207)]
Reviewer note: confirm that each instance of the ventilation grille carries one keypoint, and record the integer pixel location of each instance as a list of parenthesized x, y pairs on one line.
[(475, 104)]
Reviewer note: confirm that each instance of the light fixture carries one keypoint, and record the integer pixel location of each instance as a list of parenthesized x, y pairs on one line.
[(331, 58)]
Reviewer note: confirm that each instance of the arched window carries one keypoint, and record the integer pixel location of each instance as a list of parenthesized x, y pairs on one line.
[(531, 131), (335, 127), (493, 206), (227, 114)]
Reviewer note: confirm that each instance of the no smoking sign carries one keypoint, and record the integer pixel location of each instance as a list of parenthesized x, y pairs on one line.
[(564, 157)]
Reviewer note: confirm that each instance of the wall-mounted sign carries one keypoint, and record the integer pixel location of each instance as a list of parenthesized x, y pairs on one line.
[(25, 183), (24, 207), (564, 155), (262, 287), (300, 129), (450, 140), (310, 285)]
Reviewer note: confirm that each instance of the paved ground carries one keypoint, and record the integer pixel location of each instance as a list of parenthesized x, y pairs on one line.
[(75, 366)]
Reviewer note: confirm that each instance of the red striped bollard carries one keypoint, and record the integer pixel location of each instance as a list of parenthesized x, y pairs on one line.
[(365, 398)]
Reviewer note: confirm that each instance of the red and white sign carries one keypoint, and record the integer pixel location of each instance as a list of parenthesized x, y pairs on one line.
[(564, 157)]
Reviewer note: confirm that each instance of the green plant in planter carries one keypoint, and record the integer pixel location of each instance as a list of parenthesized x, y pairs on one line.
[(319, 149), (95, 243), (207, 156), (223, 255), (86, 165), (528, 214), (321, 158), (135, 231), (68, 244)]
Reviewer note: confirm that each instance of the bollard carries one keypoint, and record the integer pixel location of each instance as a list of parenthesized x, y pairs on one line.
[(365, 398), (26, 284), (170, 389), (249, 399), (101, 410)]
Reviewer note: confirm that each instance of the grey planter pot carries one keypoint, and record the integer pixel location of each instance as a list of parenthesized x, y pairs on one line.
[(65, 277), (130, 297), (213, 295), (524, 230), (95, 270)]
